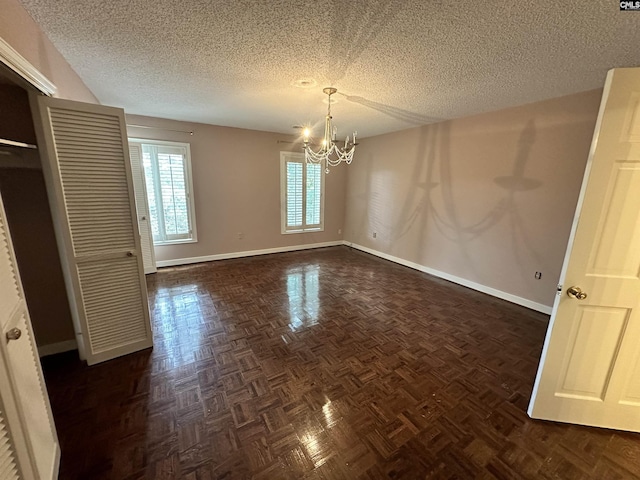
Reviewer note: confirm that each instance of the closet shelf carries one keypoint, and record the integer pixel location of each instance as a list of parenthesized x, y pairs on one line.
[(11, 143)]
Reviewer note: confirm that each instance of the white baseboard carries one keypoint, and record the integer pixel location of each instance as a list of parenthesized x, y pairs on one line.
[(248, 253), (539, 307), (59, 347)]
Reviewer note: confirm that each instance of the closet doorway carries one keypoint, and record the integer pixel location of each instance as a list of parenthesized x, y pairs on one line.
[(28, 436), (26, 204)]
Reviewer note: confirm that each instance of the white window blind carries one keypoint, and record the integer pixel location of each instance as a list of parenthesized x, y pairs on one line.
[(314, 193), (294, 195), (167, 175), (302, 194)]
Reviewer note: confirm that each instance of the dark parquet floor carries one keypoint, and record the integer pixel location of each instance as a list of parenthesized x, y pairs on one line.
[(323, 364)]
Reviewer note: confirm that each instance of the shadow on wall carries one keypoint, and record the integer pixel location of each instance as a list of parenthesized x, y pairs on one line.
[(362, 200), (430, 193)]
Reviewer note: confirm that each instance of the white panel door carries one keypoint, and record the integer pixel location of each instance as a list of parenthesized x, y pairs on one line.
[(89, 182), (28, 441), (589, 372), (142, 207)]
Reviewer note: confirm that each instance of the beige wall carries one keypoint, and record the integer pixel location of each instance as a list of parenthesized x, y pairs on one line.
[(489, 199), (19, 30), (236, 176)]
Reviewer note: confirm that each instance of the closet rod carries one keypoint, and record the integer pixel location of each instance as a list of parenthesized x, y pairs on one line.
[(11, 143), (158, 128)]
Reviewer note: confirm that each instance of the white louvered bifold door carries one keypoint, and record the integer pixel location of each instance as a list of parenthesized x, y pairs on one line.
[(29, 446), (142, 208), (88, 175)]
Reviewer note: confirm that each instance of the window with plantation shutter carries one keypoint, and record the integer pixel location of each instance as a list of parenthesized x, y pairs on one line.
[(167, 172), (302, 194)]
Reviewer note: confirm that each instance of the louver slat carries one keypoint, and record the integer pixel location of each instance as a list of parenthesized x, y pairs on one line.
[(8, 464), (314, 192), (9, 292), (294, 194), (113, 325), (90, 188), (33, 396)]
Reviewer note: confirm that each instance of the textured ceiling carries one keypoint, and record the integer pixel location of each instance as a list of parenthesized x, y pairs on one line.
[(395, 63)]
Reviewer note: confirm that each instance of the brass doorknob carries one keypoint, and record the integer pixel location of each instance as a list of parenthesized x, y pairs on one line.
[(576, 292), (14, 334)]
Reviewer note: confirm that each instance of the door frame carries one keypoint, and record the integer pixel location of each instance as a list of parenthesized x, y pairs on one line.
[(24, 72), (599, 333)]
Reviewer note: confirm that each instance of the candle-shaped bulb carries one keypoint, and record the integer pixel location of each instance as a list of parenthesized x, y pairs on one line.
[(305, 133)]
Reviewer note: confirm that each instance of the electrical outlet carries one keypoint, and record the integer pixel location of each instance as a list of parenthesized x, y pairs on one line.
[(240, 235), (339, 231), (538, 275), (375, 234)]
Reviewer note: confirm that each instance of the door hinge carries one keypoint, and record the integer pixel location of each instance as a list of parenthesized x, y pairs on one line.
[(559, 290)]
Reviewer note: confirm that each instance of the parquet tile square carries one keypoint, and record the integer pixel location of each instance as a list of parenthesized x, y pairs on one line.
[(323, 364)]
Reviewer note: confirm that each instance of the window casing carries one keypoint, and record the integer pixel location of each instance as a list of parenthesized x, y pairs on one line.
[(167, 174), (302, 194)]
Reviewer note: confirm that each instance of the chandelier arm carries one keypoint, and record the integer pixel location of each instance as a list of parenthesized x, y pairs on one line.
[(329, 154)]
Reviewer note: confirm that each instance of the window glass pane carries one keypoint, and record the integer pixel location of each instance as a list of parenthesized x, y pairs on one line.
[(294, 194), (314, 190), (174, 195), (178, 176), (166, 171)]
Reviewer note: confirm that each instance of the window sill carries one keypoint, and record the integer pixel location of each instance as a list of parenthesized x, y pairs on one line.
[(306, 230), (174, 242)]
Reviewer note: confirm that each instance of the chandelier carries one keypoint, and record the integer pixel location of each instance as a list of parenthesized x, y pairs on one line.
[(329, 154)]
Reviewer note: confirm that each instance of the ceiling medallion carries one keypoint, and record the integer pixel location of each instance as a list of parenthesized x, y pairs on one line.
[(305, 83)]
